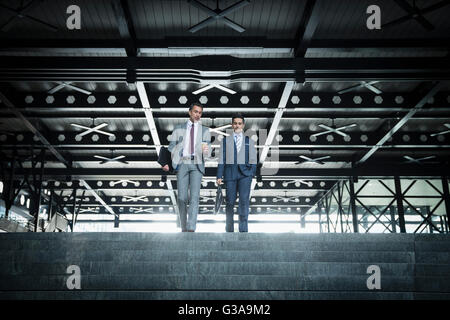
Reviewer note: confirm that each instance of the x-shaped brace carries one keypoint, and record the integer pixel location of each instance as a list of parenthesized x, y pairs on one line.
[(309, 183), (135, 199), (218, 15), (442, 132), (136, 210), (418, 161), (92, 129), (126, 181), (333, 130), (364, 84), (107, 160), (22, 13), (214, 85), (68, 85), (285, 199), (317, 160), (95, 210)]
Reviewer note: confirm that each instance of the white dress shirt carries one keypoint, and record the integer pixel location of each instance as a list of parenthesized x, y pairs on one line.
[(187, 139)]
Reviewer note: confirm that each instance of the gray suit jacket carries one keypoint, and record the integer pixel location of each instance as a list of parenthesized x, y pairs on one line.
[(177, 142)]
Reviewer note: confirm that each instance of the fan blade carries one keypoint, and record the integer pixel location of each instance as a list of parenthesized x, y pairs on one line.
[(80, 126), (325, 127), (205, 88), (234, 7), (201, 6), (233, 24), (427, 158), (78, 89), (373, 89), (100, 157), (223, 88), (202, 24), (57, 88)]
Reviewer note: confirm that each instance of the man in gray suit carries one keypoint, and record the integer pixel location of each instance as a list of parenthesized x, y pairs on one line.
[(190, 145)]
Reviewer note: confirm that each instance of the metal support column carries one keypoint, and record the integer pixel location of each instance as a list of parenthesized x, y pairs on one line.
[(393, 219), (35, 206), (9, 188), (446, 196), (353, 206), (74, 210), (400, 209)]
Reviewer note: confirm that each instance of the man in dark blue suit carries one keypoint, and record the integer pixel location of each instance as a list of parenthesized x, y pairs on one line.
[(237, 166)]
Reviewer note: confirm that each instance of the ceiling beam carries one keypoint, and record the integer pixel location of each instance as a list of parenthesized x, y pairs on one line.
[(308, 24), (143, 96), (433, 89), (10, 44), (51, 148), (180, 69), (367, 170), (125, 26)]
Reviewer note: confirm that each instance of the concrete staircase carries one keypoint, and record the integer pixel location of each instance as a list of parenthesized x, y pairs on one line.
[(223, 266)]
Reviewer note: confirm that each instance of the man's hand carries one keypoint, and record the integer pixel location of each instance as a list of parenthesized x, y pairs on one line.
[(166, 167), (205, 148), (219, 181)]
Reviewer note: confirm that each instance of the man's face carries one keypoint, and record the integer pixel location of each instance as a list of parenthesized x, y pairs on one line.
[(195, 114), (238, 125)]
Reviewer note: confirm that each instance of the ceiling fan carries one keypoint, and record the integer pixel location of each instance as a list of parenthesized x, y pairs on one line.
[(333, 129), (22, 13), (217, 15), (415, 13), (442, 132), (92, 129), (68, 85), (417, 161), (316, 160), (108, 160), (363, 84)]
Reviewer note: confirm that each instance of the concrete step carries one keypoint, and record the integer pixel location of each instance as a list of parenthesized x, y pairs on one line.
[(433, 257), (214, 295), (297, 269), (207, 282), (302, 245), (204, 236), (224, 266), (78, 256), (432, 283), (423, 269), (433, 246)]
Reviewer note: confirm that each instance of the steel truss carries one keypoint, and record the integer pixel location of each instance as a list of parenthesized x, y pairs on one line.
[(343, 209)]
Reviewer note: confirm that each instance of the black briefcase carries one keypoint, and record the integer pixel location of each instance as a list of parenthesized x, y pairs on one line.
[(165, 157), (219, 199)]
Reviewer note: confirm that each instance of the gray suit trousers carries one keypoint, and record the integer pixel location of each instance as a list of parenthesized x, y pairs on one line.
[(189, 178)]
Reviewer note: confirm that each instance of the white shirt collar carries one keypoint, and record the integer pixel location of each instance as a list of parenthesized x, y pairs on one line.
[(238, 134), (190, 123)]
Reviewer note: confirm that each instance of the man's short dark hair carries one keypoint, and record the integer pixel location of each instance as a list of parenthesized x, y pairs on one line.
[(195, 104), (238, 115)]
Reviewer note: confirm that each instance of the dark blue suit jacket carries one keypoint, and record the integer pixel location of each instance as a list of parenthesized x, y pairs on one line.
[(231, 162)]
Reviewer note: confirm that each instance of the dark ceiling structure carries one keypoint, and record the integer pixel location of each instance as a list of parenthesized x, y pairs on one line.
[(85, 111)]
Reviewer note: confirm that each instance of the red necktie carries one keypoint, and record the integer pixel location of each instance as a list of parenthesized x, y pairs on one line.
[(192, 139)]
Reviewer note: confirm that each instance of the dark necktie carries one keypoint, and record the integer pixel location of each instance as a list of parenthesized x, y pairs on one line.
[(192, 139)]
